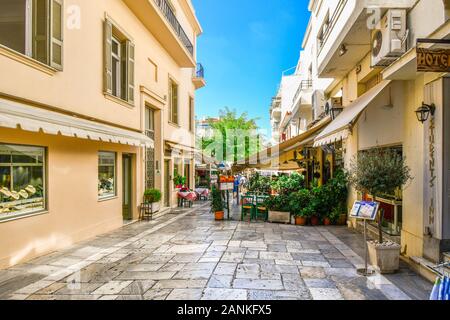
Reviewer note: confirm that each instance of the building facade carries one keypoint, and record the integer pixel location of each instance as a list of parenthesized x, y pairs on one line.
[(96, 105), (361, 57)]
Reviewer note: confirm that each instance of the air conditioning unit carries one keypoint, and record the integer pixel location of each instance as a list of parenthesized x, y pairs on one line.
[(389, 38), (334, 107), (318, 105)]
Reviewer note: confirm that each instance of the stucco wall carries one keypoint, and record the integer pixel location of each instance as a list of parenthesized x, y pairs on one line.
[(74, 211)]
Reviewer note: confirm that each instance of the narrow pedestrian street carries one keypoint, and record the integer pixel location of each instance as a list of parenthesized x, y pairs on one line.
[(187, 255)]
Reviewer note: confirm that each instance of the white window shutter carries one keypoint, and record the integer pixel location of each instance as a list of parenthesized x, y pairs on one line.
[(41, 26), (56, 33), (107, 77), (130, 70)]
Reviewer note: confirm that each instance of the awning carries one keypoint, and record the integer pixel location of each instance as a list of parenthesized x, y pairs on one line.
[(263, 157), (340, 128), (14, 115), (179, 147)]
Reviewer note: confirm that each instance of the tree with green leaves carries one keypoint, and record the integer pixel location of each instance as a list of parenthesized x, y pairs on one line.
[(235, 137)]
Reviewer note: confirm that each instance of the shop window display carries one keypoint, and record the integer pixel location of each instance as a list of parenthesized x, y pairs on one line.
[(22, 180), (106, 175)]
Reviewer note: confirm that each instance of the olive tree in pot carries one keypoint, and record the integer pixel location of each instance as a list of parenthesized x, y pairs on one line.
[(378, 172), (153, 196)]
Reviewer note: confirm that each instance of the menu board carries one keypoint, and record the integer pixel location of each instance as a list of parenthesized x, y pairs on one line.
[(365, 210)]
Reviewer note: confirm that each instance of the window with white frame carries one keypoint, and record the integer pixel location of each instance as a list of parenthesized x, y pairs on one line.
[(106, 175), (33, 28), (119, 63), (22, 180)]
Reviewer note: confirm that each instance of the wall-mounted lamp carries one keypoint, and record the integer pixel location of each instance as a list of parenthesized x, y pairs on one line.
[(343, 50), (423, 113)]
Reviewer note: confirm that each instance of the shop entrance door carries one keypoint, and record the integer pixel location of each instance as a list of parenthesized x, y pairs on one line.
[(167, 183), (127, 187)]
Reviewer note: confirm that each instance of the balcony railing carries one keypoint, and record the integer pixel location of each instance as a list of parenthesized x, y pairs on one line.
[(304, 85), (172, 19), (200, 71)]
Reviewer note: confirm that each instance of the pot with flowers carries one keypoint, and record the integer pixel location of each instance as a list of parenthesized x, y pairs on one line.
[(179, 181), (379, 172)]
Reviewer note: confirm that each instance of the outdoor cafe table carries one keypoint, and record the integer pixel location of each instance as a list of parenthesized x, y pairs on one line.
[(202, 192), (189, 196)]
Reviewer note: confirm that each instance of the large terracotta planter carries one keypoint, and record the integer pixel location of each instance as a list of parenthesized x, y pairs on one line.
[(279, 217), (385, 257), (327, 221), (219, 215), (301, 221), (315, 221)]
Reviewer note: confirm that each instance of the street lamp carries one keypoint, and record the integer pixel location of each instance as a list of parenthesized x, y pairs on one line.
[(423, 113)]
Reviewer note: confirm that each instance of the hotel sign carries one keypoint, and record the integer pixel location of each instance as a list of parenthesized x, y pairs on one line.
[(433, 60)]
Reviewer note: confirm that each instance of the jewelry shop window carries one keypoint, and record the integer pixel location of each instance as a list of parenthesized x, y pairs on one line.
[(22, 180), (106, 175)]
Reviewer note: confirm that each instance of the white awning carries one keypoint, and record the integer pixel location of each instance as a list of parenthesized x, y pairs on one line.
[(14, 115), (340, 128)]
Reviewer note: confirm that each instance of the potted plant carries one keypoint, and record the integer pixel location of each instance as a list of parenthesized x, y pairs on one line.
[(179, 181), (217, 204), (153, 196), (378, 172), (298, 202), (279, 208)]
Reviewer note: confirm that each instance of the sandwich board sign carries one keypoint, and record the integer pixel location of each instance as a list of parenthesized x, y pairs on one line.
[(365, 210)]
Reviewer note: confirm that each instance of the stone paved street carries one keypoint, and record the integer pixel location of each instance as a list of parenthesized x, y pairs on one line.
[(187, 255)]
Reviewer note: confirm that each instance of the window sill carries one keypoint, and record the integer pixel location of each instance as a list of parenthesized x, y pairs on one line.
[(119, 100), (107, 198), (26, 60), (19, 216), (173, 124)]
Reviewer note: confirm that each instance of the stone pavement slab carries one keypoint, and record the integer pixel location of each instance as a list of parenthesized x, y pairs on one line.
[(188, 255)]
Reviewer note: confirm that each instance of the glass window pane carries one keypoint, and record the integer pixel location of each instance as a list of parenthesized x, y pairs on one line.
[(57, 53), (13, 26), (57, 21), (106, 174), (22, 185)]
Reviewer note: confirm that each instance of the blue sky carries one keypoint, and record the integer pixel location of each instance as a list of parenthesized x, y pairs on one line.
[(245, 47)]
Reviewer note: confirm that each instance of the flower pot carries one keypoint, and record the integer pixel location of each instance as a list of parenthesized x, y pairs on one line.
[(280, 217), (315, 221), (300, 221), (327, 221), (219, 215), (155, 207), (385, 256)]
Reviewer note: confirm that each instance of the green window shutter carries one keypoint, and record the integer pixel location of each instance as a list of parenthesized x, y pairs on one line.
[(56, 33), (130, 71), (107, 76), (41, 14)]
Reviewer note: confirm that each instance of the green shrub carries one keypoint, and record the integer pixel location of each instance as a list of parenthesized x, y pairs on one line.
[(299, 201), (152, 195), (217, 204), (289, 184), (278, 203)]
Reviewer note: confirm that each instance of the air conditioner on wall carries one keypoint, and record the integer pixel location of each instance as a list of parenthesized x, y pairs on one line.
[(334, 107), (318, 104), (389, 38)]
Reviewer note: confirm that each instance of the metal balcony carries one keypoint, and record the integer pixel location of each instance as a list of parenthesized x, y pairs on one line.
[(173, 21), (304, 85), (198, 77)]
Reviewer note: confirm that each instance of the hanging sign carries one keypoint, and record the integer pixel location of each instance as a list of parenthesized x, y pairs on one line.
[(365, 210), (433, 60)]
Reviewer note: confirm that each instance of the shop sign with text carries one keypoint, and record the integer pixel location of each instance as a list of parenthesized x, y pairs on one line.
[(433, 60)]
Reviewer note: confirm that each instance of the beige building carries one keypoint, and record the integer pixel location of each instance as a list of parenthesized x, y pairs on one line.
[(369, 49), (96, 105)]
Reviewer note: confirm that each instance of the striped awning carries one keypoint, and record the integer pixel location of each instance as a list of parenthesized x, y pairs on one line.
[(17, 115)]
